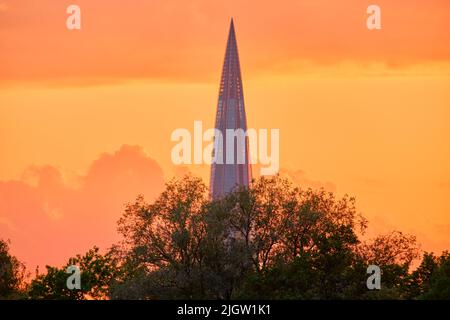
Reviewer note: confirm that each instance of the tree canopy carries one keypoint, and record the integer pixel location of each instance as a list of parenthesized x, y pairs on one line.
[(12, 273), (272, 240)]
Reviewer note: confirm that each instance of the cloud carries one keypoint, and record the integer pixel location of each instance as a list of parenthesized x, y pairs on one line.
[(3, 7), (371, 182), (443, 184), (185, 40), (181, 170), (8, 224), (300, 179), (49, 220)]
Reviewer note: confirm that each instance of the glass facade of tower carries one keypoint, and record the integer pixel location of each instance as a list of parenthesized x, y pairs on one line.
[(231, 165)]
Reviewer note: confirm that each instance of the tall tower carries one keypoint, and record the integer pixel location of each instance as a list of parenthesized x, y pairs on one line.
[(230, 117)]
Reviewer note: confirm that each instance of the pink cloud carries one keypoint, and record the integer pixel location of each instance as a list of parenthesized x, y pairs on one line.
[(49, 220)]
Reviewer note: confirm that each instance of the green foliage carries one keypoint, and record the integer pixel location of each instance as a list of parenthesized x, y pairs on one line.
[(97, 273), (12, 274), (438, 287), (418, 282), (269, 241)]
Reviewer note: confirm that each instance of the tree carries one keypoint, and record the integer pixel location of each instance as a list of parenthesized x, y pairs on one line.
[(270, 241), (161, 250), (438, 286), (97, 274), (12, 274), (312, 240), (393, 253), (418, 282)]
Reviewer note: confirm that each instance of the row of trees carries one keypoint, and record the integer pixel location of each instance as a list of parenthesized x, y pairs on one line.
[(271, 241)]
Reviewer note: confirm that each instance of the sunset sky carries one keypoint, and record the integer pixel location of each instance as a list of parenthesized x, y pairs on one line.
[(86, 115)]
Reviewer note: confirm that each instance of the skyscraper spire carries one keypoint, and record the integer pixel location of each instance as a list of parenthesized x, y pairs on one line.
[(231, 167)]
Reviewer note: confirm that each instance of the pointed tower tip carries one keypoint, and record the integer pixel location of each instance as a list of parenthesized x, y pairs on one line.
[(231, 26)]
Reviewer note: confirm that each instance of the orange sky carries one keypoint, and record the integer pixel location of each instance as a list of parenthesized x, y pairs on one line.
[(86, 116)]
